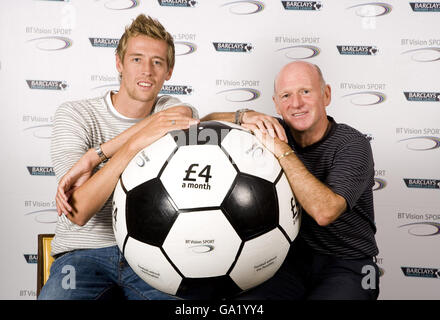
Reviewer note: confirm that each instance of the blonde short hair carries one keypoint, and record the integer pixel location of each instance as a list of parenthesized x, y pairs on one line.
[(145, 25)]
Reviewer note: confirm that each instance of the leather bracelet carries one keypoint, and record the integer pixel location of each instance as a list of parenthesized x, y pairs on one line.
[(285, 154), (101, 154)]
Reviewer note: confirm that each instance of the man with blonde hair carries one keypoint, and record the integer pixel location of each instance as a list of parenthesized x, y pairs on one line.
[(93, 141), (147, 26)]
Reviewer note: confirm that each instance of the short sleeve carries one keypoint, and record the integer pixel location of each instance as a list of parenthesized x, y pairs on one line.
[(70, 139), (352, 171)]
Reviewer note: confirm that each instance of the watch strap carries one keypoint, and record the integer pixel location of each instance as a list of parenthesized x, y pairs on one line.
[(101, 154)]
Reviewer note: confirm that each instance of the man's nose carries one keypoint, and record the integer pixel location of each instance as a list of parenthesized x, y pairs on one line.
[(295, 100), (147, 68)]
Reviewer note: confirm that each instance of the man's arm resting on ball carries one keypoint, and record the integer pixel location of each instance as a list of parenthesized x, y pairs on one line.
[(83, 168), (220, 116), (88, 198), (263, 121), (109, 148), (112, 146)]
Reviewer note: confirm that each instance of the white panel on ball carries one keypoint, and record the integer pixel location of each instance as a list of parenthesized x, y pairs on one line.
[(250, 155), (195, 168), (148, 162), (202, 244), (290, 214), (151, 265), (260, 259), (118, 215)]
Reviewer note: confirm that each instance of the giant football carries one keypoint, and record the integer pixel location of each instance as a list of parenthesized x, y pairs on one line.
[(205, 213)]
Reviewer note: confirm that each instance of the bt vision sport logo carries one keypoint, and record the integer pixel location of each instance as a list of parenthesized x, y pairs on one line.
[(422, 96), (425, 6), (302, 5), (47, 84), (420, 272), (233, 47), (358, 50), (422, 183)]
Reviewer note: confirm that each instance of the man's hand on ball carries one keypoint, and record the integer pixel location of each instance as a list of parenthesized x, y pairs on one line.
[(160, 124), (265, 123), (272, 143)]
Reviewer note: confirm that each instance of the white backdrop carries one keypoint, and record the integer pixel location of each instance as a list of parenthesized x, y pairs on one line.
[(381, 59)]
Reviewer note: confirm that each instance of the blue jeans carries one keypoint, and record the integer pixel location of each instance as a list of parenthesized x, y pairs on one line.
[(93, 274)]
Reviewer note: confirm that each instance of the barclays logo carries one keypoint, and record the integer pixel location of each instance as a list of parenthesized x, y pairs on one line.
[(41, 171), (428, 54), (233, 47), (176, 89), (240, 94), (422, 183), (422, 143), (422, 229), (422, 96), (302, 5), (421, 272), (300, 51), (31, 258), (52, 43), (425, 6), (372, 9), (357, 50), (366, 98), (104, 42), (177, 3), (244, 7), (47, 84)]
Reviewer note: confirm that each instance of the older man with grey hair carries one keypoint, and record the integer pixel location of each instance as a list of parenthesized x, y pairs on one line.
[(330, 169)]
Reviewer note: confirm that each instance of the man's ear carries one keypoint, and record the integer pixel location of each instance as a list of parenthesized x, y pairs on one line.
[(119, 64), (170, 73), (327, 95)]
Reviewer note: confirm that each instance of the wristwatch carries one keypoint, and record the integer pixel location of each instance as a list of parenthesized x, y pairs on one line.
[(101, 154), (239, 115)]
